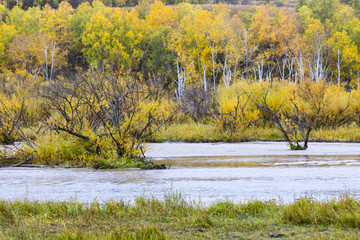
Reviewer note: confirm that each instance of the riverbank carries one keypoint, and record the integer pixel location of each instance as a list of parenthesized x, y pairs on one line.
[(186, 133), (145, 164), (176, 218), (195, 132), (208, 147), (22, 155)]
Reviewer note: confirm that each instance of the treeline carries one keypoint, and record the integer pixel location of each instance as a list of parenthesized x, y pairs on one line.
[(91, 85), (185, 44), (26, 4)]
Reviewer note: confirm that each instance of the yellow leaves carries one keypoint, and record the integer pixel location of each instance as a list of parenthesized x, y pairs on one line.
[(135, 27), (355, 104), (203, 36), (277, 32), (267, 94), (9, 103), (315, 32), (111, 38), (341, 44), (3, 11), (313, 94), (183, 9), (319, 104), (57, 23), (98, 5), (336, 99), (161, 15), (339, 40), (220, 11), (306, 16), (342, 17), (57, 148), (236, 111), (7, 33), (23, 21), (288, 32), (42, 43), (263, 24), (11, 110), (96, 39), (202, 22), (24, 52)]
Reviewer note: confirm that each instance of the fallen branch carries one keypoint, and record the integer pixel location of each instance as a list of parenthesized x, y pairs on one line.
[(25, 161)]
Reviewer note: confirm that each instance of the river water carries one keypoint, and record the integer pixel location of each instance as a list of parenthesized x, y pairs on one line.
[(202, 172)]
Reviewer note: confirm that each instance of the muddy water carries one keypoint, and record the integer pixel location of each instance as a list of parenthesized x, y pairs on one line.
[(206, 172)]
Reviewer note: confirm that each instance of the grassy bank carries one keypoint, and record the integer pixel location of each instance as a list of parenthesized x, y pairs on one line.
[(195, 132), (176, 218)]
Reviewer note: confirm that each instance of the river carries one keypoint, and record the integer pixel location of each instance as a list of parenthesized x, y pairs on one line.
[(203, 172)]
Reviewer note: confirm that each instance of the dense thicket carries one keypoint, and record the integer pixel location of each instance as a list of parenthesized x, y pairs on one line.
[(106, 78)]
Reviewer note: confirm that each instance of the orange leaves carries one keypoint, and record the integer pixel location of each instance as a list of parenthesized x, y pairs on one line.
[(277, 31)]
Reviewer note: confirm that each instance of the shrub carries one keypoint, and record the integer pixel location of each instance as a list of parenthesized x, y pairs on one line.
[(235, 112)]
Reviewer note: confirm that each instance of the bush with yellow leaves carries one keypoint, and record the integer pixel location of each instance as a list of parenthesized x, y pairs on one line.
[(355, 106), (298, 109), (20, 107), (235, 111), (107, 117), (11, 111)]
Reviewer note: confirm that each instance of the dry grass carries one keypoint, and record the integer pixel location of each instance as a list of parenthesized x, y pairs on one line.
[(194, 132)]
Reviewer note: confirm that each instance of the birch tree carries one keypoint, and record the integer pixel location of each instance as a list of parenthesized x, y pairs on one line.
[(318, 54)]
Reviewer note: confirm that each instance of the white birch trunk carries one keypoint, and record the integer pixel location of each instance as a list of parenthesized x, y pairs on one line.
[(338, 65), (281, 69), (301, 67), (181, 81)]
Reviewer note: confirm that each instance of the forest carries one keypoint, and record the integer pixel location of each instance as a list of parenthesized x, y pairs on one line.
[(89, 85)]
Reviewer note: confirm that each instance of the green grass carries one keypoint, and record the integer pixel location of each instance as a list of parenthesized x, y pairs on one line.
[(99, 163), (195, 132), (176, 218)]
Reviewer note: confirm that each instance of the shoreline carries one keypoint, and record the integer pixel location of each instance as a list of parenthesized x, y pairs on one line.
[(175, 149)]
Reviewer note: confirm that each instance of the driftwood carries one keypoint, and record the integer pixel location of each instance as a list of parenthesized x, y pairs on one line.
[(26, 160)]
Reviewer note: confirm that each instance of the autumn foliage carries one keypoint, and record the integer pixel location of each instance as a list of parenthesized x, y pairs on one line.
[(101, 80)]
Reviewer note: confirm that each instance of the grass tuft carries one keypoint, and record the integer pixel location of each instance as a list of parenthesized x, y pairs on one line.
[(344, 212)]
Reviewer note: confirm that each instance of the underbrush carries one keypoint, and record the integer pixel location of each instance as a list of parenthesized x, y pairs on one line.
[(174, 217), (65, 151)]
